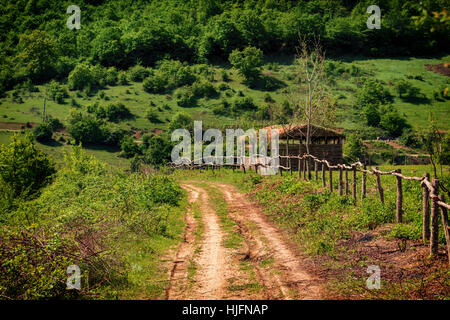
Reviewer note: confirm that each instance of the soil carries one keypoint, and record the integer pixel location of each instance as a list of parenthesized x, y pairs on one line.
[(218, 267), (439, 68), (15, 125)]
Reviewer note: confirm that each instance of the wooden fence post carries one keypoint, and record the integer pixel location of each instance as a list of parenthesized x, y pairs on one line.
[(346, 182), (379, 187), (315, 170), (434, 241), (290, 165), (354, 183), (304, 168), (399, 210), (308, 166), (426, 210), (324, 183), (340, 181), (363, 183), (444, 218), (281, 171), (299, 168), (330, 177)]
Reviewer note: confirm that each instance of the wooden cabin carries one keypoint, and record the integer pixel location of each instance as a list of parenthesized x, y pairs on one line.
[(325, 143)]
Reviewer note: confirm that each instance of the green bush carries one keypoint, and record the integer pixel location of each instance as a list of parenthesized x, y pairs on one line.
[(155, 84), (248, 62), (243, 104), (129, 147), (43, 132), (24, 168), (117, 111), (57, 92), (138, 73)]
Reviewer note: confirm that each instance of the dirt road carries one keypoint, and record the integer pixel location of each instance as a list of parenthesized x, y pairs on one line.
[(266, 265)]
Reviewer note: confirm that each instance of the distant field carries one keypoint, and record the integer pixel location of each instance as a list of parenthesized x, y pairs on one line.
[(280, 68), (56, 151), (138, 101)]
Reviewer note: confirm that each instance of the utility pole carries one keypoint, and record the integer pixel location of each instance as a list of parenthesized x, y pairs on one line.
[(45, 97)]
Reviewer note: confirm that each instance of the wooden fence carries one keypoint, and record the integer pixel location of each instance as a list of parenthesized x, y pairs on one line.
[(307, 163)]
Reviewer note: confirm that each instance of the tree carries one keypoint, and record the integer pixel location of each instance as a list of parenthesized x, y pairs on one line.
[(314, 107), (23, 168), (392, 121), (81, 77), (129, 147), (181, 120), (436, 143), (43, 132), (372, 93), (85, 128), (248, 62), (354, 148), (37, 54), (158, 150)]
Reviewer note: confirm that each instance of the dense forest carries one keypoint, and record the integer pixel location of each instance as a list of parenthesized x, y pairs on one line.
[(36, 45)]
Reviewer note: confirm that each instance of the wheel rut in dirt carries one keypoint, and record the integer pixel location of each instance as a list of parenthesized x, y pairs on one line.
[(266, 240)]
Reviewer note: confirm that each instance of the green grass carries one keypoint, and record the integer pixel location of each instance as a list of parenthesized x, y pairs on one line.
[(55, 150), (138, 101)]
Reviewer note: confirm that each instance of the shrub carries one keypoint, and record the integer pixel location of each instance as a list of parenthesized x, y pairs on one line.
[(354, 149), (155, 84), (138, 73), (372, 93), (122, 78), (406, 90), (243, 104), (158, 150), (117, 111), (112, 76), (248, 62), (43, 132), (392, 121), (24, 168), (186, 99), (81, 77), (84, 128), (112, 135), (57, 92), (129, 147), (203, 89)]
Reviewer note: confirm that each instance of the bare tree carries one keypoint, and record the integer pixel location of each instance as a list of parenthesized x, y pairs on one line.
[(311, 101)]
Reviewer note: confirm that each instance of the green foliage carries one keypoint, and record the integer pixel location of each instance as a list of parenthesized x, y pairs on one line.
[(181, 120), (36, 54), (392, 121), (407, 90), (81, 77), (85, 128), (155, 84), (43, 132), (71, 226), (138, 73), (24, 169), (372, 93), (129, 147), (158, 149), (248, 62), (354, 148), (57, 92), (243, 104), (117, 111)]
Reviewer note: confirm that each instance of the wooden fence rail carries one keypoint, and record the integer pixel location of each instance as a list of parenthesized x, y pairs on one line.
[(430, 189)]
